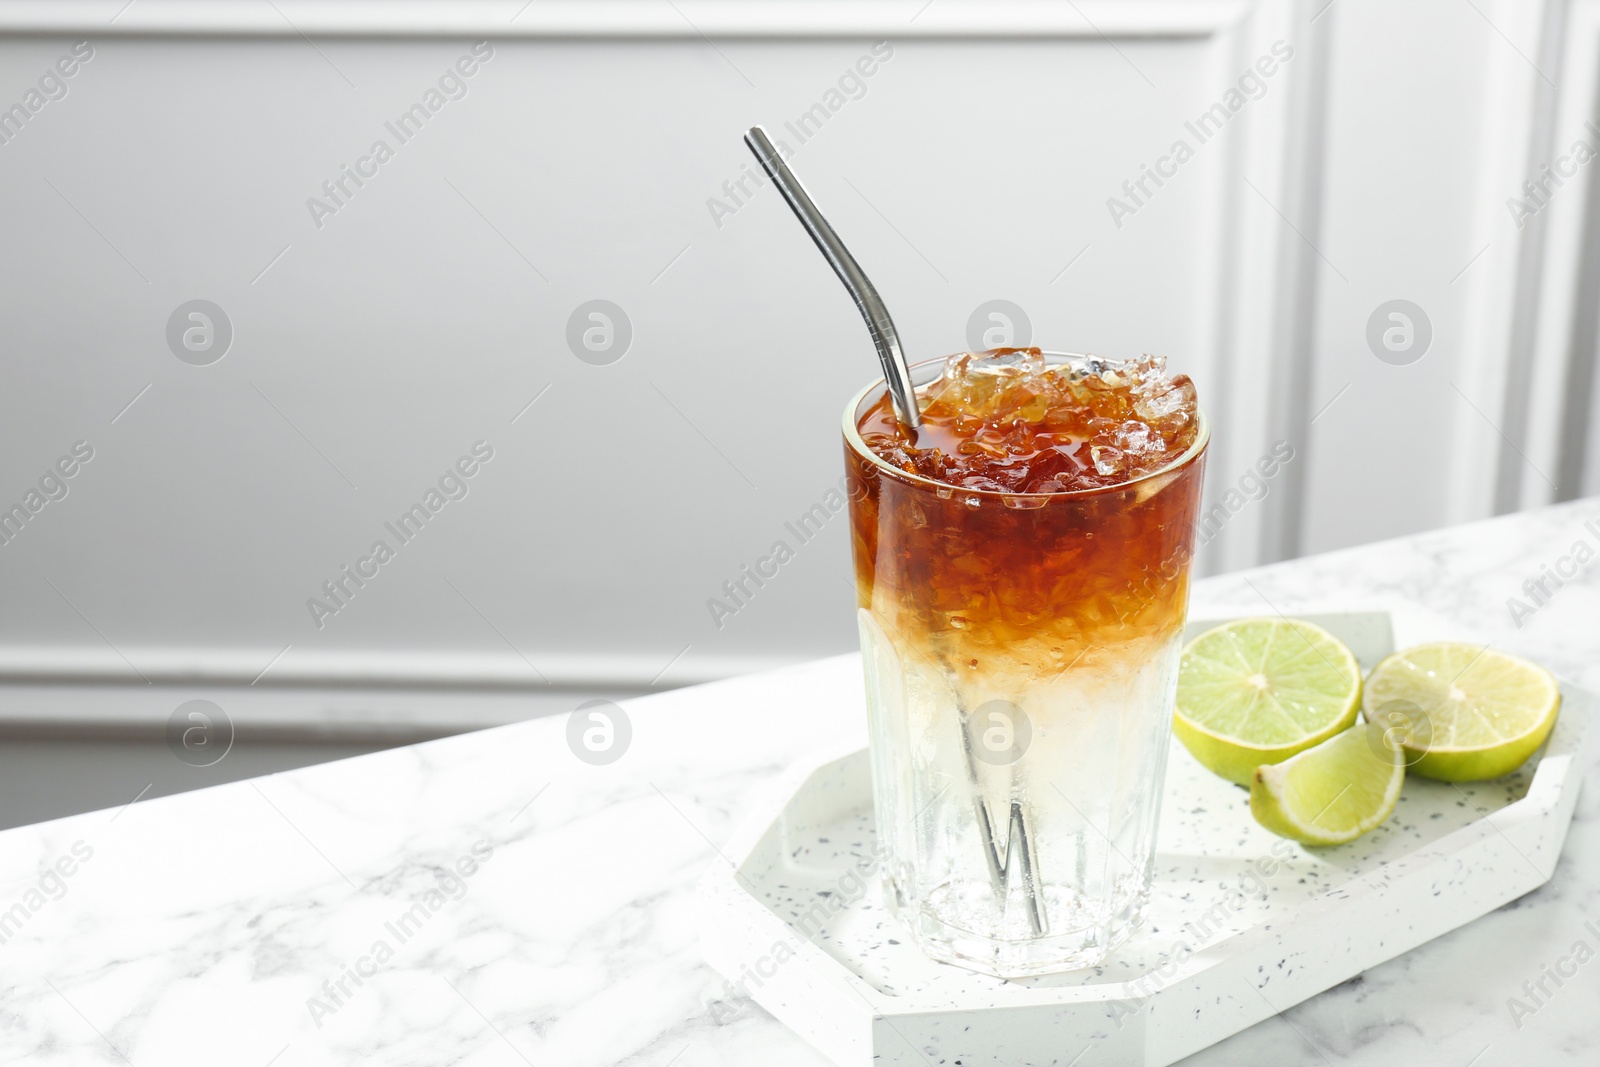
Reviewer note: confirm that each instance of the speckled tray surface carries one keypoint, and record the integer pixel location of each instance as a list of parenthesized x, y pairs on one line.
[(1241, 924)]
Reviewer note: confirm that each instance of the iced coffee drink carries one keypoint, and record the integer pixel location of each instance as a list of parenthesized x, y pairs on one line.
[(1022, 563)]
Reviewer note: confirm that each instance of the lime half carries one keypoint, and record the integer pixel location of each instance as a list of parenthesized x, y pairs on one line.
[(1257, 691), (1332, 793), (1463, 712)]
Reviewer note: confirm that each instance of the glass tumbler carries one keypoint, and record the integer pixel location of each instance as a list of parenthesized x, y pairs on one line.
[(1020, 654)]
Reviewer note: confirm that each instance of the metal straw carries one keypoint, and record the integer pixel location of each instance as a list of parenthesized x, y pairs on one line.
[(895, 370), (1019, 840)]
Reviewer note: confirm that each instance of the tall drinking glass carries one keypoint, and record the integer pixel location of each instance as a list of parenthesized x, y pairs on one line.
[(1021, 655)]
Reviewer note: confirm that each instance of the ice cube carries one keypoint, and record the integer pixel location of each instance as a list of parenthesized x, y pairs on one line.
[(1108, 461), (1006, 360), (983, 384), (964, 366), (1159, 405), (1136, 439), (1148, 368)]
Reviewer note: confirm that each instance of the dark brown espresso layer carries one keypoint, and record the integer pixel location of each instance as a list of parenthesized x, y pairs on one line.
[(1044, 578)]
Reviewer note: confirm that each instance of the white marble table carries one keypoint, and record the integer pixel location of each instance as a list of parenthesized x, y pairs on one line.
[(502, 902)]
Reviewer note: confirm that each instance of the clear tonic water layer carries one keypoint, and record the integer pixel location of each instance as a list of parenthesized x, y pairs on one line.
[(1022, 575)]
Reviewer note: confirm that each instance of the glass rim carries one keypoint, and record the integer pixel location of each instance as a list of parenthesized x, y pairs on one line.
[(852, 437)]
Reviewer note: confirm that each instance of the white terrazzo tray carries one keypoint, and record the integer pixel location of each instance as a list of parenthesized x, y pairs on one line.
[(1241, 924)]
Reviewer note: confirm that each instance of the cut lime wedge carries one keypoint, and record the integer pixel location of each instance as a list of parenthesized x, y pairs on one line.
[(1332, 793)]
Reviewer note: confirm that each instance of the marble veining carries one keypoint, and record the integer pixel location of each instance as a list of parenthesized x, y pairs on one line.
[(502, 902)]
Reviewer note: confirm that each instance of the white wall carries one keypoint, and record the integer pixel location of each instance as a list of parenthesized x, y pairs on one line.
[(428, 311)]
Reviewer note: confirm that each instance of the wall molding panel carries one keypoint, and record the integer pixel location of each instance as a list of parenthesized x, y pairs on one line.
[(623, 18)]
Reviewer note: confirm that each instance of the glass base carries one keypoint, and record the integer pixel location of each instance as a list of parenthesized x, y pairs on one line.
[(1080, 944)]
